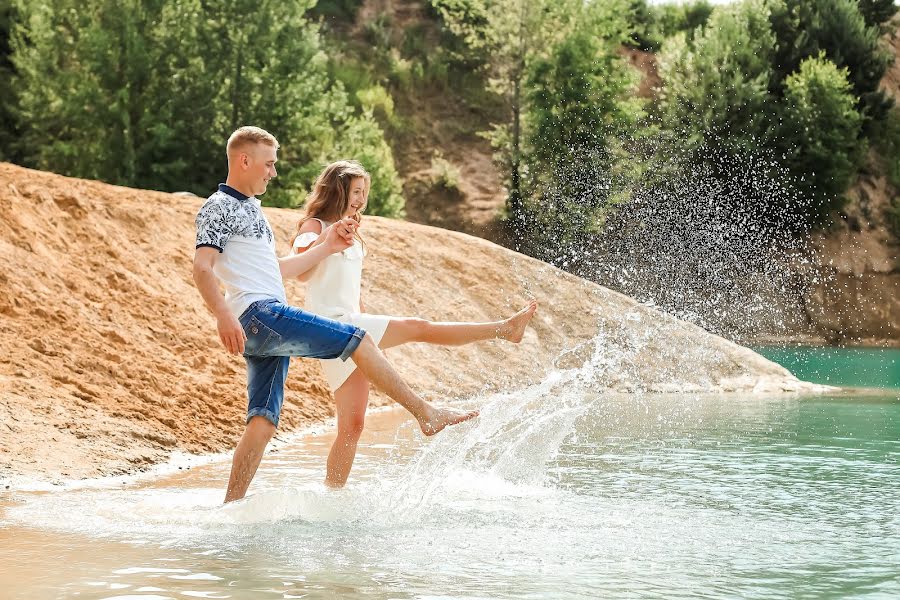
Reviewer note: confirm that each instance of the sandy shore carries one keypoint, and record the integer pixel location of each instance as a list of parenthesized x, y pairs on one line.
[(110, 361)]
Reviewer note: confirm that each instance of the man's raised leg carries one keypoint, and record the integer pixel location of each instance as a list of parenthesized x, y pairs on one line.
[(247, 456), (371, 361)]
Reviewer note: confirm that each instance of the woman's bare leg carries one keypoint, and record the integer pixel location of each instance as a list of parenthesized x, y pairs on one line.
[(402, 331), (351, 400), (371, 361)]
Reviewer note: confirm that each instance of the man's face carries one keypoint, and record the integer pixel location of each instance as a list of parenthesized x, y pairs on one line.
[(260, 167)]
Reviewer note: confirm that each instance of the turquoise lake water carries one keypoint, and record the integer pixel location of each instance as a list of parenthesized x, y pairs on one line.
[(554, 492), (850, 367)]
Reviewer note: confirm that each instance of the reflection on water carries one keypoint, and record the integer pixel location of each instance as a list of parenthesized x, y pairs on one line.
[(554, 492)]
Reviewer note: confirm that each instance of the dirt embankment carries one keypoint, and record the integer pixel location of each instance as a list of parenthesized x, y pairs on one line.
[(109, 360), (857, 299)]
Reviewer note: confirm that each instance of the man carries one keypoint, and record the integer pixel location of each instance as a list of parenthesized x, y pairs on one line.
[(235, 246)]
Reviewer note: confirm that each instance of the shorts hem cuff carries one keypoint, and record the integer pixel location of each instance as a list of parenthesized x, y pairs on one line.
[(263, 412), (353, 344)]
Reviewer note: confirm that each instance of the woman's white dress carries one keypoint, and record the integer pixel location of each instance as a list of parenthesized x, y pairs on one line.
[(333, 291)]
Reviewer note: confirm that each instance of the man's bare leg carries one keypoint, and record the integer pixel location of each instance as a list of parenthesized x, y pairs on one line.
[(247, 456), (379, 371)]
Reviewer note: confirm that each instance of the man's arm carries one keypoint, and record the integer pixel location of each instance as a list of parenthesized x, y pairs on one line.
[(230, 331)]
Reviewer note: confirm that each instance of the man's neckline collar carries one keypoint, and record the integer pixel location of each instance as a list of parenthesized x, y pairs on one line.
[(227, 189)]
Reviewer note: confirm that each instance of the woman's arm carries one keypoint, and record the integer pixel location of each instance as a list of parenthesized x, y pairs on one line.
[(335, 238), (310, 226)]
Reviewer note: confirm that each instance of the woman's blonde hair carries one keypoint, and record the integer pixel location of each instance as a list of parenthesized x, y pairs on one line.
[(330, 195)]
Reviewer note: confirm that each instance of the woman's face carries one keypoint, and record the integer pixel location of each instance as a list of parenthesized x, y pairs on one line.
[(358, 196)]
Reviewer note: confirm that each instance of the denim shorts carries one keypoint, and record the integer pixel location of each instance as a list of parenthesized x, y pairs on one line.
[(276, 332)]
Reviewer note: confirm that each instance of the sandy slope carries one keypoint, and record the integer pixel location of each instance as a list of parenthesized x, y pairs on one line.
[(109, 360)]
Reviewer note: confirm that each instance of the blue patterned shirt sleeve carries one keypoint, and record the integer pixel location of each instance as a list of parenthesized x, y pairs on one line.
[(215, 224)]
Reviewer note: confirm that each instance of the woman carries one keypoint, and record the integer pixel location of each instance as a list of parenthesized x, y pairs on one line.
[(340, 193)]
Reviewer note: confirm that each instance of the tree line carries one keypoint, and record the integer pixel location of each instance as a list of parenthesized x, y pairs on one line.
[(144, 93), (795, 80)]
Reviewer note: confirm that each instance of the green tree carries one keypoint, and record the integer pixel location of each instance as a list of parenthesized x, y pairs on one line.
[(805, 28), (822, 129), (266, 60), (509, 35), (877, 12), (716, 88), (145, 92), (82, 72), (578, 106)]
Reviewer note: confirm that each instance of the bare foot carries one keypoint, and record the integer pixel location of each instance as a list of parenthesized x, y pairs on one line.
[(515, 326), (443, 417)]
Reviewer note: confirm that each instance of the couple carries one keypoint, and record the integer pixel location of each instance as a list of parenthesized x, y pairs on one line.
[(236, 247)]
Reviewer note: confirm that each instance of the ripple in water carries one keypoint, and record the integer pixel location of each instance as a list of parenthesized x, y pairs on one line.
[(557, 491)]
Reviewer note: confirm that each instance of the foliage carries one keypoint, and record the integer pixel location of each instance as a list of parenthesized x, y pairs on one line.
[(577, 108), (145, 93), (806, 28), (444, 173), (651, 25), (876, 12), (822, 128), (716, 87), (376, 98), (8, 125)]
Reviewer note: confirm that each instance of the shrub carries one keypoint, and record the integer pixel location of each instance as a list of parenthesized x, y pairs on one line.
[(822, 128), (716, 86), (806, 28), (444, 173)]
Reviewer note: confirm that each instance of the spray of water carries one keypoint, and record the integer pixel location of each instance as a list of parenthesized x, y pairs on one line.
[(713, 235)]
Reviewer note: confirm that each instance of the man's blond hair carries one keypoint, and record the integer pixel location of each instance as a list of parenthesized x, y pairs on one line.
[(249, 136)]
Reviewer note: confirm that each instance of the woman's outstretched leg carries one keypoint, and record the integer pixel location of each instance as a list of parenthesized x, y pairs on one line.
[(351, 400), (402, 331)]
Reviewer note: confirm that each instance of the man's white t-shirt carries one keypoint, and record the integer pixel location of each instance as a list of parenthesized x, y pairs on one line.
[(235, 225)]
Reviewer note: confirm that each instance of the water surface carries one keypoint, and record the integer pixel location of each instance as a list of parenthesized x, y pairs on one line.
[(558, 491)]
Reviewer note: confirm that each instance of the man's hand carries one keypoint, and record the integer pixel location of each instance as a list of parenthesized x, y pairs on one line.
[(339, 235), (231, 333)]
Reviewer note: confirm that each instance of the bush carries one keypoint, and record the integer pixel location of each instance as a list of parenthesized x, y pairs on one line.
[(806, 28), (376, 98), (716, 87), (822, 128), (444, 173)]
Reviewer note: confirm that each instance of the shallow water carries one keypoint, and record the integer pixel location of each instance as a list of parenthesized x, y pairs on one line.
[(554, 492)]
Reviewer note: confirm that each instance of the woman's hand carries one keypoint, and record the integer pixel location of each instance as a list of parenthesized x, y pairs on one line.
[(339, 235)]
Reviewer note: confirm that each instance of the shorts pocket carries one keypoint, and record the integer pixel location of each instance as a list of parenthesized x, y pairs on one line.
[(259, 338)]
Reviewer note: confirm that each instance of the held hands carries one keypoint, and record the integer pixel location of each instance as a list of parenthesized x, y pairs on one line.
[(231, 333), (339, 235)]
